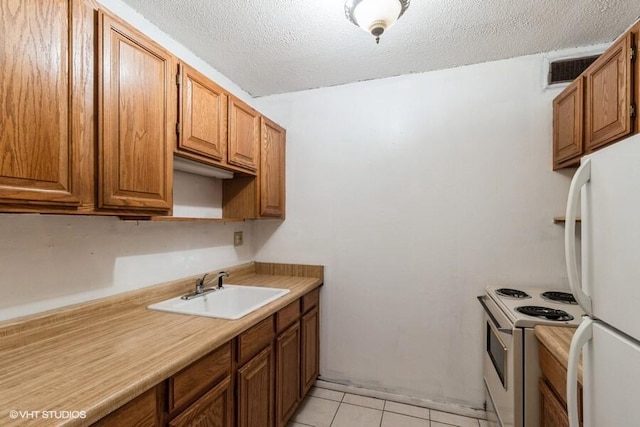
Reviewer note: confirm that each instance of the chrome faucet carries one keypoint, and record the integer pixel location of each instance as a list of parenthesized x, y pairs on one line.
[(201, 283)]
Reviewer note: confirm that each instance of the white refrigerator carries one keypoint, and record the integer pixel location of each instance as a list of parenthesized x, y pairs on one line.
[(607, 187)]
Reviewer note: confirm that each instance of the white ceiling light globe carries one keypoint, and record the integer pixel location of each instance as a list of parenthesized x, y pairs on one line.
[(375, 16)]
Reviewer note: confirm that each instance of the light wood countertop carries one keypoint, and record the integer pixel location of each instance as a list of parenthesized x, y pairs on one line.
[(557, 339), (97, 356)]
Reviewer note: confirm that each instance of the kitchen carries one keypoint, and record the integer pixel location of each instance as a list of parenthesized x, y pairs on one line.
[(409, 218)]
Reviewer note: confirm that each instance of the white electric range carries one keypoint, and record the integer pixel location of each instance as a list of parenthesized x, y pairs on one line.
[(510, 361)]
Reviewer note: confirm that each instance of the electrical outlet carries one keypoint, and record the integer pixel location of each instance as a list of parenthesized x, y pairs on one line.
[(237, 238)]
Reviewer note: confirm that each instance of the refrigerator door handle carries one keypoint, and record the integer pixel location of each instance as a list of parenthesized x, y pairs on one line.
[(583, 334), (582, 176)]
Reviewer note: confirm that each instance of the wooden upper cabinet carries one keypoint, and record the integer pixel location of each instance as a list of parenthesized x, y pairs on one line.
[(608, 95), (203, 116), (244, 135), (137, 120), (36, 138), (568, 111), (272, 170)]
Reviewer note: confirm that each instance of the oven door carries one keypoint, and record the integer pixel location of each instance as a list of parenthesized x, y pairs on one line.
[(498, 364)]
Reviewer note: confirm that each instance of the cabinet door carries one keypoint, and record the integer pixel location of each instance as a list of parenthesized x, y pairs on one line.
[(36, 143), (287, 374), (553, 412), (310, 349), (255, 391), (272, 170), (203, 116), (244, 135), (135, 154), (568, 124), (608, 94), (214, 409)]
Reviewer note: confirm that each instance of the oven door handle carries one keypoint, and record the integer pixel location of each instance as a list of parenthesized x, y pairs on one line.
[(492, 317)]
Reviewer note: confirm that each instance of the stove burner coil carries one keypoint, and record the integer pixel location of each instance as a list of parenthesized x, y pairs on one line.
[(545, 312), (564, 297), (512, 293)]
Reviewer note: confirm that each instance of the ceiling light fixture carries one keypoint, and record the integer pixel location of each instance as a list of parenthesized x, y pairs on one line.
[(375, 16)]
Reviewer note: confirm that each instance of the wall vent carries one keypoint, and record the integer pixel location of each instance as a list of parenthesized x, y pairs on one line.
[(566, 70)]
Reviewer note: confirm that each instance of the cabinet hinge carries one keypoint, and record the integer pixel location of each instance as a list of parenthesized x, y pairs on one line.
[(177, 128), (178, 79), (632, 53), (632, 110)]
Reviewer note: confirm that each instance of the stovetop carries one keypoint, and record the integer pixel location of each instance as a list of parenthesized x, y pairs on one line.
[(527, 307)]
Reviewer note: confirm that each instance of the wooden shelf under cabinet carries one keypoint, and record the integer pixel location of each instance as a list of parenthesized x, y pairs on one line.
[(179, 219)]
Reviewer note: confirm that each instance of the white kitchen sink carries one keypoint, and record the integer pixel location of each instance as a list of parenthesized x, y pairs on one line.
[(232, 302)]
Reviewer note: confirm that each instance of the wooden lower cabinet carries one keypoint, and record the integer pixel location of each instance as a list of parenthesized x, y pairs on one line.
[(310, 349), (553, 412), (214, 409), (273, 375), (143, 411), (552, 387), (287, 374), (256, 391)]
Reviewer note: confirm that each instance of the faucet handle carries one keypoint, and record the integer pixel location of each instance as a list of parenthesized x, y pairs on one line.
[(200, 280)]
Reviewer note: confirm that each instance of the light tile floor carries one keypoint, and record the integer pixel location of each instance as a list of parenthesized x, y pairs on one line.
[(329, 408)]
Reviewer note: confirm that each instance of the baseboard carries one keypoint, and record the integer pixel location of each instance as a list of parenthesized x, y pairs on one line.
[(425, 403)]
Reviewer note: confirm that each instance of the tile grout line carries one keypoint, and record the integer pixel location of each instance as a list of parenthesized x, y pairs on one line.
[(384, 409), (336, 414), (384, 404)]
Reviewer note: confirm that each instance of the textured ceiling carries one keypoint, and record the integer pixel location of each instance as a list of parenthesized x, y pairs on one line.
[(276, 46)]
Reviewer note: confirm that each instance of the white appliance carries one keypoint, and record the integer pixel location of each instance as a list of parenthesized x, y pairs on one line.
[(510, 357), (608, 184)]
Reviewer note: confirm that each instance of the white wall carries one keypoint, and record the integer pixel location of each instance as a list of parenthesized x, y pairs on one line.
[(416, 192), (52, 261)]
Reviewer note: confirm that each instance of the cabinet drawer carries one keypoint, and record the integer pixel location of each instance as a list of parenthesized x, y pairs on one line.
[(192, 381), (255, 339), (288, 315), (144, 410), (310, 300), (214, 409)]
